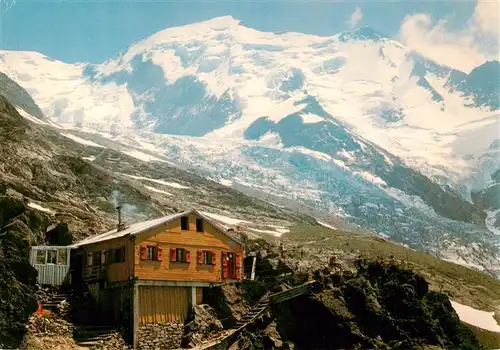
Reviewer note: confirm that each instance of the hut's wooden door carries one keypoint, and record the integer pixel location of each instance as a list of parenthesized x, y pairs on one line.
[(231, 266)]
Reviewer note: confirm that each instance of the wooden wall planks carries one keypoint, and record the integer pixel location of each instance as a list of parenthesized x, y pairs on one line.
[(173, 237), (170, 236), (117, 271)]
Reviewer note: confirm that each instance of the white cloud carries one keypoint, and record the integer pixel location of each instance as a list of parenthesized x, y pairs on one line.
[(486, 17), (356, 17), (462, 49)]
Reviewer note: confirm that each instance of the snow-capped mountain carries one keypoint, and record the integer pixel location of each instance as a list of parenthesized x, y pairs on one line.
[(355, 124)]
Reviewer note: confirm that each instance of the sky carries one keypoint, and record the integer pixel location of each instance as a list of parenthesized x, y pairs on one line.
[(460, 33)]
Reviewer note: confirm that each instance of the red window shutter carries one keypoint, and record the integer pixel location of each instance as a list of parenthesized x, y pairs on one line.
[(224, 265), (144, 253), (200, 257), (173, 255), (238, 260), (214, 257), (188, 256), (160, 254)]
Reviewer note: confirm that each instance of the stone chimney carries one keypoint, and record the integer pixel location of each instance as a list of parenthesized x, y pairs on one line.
[(120, 225)]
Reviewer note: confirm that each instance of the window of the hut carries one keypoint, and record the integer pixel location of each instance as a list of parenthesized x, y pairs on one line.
[(51, 256), (120, 255), (152, 253), (208, 258), (199, 225), (41, 256), (184, 223), (62, 257)]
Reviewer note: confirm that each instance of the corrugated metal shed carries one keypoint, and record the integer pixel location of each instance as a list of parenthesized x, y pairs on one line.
[(52, 264)]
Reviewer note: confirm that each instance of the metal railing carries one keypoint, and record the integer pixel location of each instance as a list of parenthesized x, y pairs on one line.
[(291, 293), (228, 335), (94, 273)]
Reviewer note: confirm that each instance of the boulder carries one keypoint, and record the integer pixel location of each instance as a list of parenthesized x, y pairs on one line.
[(203, 324)]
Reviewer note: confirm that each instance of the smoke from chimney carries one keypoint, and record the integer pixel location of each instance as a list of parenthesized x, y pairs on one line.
[(127, 210), (120, 225)]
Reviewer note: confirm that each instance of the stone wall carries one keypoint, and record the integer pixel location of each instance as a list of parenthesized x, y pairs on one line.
[(160, 336)]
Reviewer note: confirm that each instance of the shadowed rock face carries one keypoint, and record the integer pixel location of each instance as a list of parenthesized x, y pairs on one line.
[(18, 96), (182, 108), (17, 276), (377, 307), (481, 84), (20, 227), (364, 33)]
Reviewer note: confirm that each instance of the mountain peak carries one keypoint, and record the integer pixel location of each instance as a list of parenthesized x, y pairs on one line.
[(194, 29), (216, 23), (363, 33), (221, 22)]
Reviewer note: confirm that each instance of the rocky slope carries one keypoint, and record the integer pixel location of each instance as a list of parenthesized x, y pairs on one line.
[(63, 178)]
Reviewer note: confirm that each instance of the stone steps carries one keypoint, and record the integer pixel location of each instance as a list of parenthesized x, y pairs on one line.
[(93, 336), (92, 333), (55, 300), (94, 339)]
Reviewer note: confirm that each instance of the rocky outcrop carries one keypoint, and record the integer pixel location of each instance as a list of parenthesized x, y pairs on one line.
[(18, 96), (49, 326), (48, 331), (203, 324), (378, 304), (160, 336), (17, 276)]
